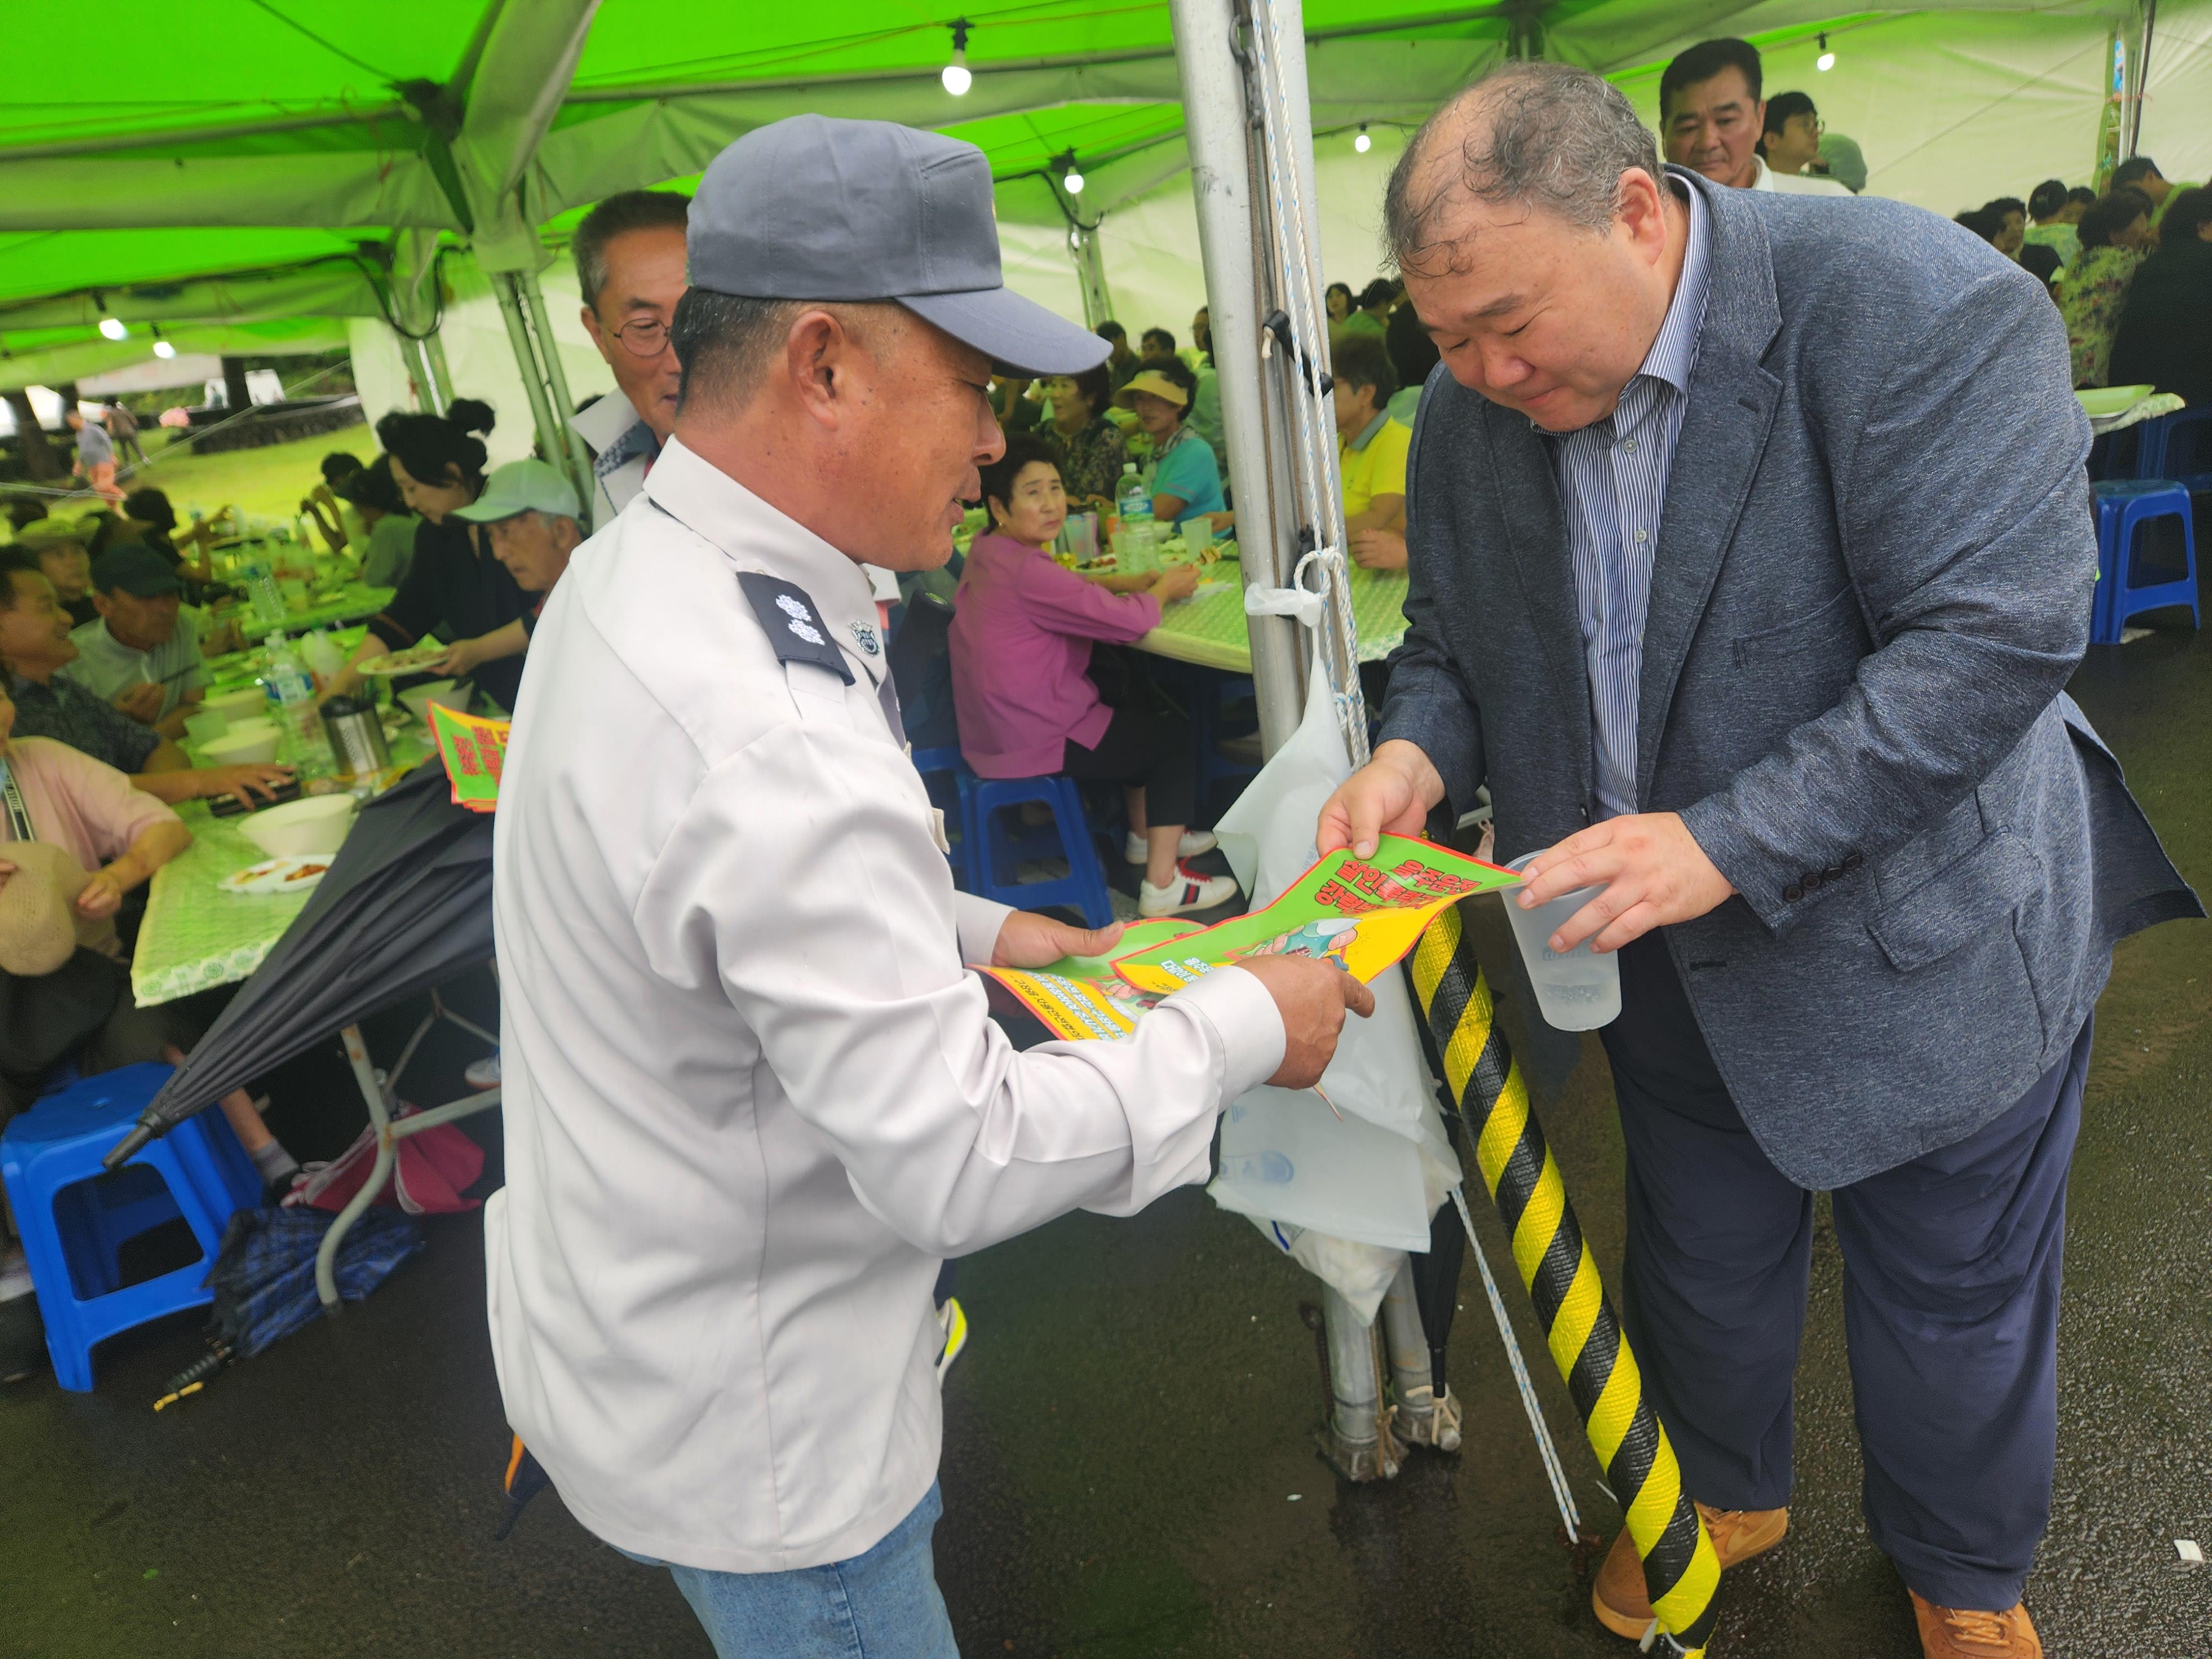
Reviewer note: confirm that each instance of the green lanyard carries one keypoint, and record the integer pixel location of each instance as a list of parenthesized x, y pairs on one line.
[(19, 816)]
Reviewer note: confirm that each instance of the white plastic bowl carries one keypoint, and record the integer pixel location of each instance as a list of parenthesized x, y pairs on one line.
[(312, 826), (446, 693), (240, 748), (237, 705)]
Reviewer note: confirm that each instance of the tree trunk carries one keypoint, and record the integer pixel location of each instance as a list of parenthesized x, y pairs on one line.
[(234, 383), (39, 462)]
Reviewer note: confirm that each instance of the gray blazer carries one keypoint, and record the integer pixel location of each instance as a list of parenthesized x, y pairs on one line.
[(1871, 584)]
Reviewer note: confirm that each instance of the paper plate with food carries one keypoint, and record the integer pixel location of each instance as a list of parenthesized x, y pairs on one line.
[(280, 875), (415, 660)]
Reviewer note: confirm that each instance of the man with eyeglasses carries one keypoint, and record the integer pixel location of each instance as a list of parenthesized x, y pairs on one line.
[(630, 266)]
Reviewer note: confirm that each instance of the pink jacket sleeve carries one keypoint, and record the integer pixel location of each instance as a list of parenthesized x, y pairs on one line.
[(113, 811), (1063, 602)]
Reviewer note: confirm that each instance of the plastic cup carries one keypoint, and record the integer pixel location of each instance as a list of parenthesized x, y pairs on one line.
[(1197, 534), (1577, 990)]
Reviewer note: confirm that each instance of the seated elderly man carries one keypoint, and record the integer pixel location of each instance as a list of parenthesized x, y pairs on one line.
[(35, 646), (138, 655), (531, 513)]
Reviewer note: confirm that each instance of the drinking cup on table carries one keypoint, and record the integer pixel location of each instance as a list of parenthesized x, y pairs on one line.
[(1577, 990), (1197, 535)]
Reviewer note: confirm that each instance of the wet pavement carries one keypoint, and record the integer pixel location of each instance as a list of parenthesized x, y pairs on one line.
[(1129, 1465)]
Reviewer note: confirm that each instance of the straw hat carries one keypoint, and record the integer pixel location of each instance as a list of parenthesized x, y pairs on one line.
[(39, 929)]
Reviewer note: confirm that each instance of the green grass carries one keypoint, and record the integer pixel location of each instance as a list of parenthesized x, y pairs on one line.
[(271, 481)]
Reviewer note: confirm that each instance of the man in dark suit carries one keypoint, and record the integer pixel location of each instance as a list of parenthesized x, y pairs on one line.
[(1750, 554)]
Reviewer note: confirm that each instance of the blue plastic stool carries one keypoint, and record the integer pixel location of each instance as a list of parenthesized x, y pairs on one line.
[(959, 821), (73, 1230), (2124, 507), (1084, 888), (2158, 456)]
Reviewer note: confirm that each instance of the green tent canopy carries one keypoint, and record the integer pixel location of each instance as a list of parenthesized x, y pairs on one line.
[(235, 158)]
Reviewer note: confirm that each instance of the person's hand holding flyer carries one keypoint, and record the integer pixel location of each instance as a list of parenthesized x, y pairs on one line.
[(1364, 915)]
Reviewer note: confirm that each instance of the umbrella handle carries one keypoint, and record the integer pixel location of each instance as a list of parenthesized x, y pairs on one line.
[(129, 1147)]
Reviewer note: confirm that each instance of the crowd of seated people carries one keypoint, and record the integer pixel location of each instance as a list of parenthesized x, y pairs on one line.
[(1027, 677)]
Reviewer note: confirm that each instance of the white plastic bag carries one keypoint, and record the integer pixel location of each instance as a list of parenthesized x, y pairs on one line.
[(1268, 838)]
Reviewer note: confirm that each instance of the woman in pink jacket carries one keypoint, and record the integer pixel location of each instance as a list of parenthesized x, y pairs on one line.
[(1021, 642)]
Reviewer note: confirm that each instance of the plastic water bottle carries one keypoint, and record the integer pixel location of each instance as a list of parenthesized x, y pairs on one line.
[(293, 695), (1134, 508), (262, 591), (323, 659)]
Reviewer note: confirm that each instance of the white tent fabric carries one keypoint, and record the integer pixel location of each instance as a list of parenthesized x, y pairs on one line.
[(2177, 116), (479, 354)]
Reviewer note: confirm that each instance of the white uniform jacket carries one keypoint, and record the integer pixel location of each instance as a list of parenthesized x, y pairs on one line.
[(751, 1095)]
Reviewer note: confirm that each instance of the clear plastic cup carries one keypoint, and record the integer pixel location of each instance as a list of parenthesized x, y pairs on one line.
[(1577, 990)]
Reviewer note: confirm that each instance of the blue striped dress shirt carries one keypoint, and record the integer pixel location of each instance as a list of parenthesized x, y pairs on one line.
[(1612, 486)]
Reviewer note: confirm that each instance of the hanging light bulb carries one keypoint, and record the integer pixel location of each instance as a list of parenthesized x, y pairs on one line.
[(1074, 181), (162, 348), (955, 74), (1827, 60), (112, 328), (1362, 142)]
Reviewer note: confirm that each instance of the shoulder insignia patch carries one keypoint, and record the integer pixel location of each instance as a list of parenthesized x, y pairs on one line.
[(795, 629), (865, 637)]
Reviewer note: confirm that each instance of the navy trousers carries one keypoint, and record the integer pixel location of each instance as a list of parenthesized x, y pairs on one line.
[(1950, 1267)]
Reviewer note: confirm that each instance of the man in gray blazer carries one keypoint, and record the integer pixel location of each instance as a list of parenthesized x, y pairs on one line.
[(1750, 553)]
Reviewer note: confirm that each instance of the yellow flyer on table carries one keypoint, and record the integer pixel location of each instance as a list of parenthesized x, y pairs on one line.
[(474, 750), (1081, 997), (1363, 913)]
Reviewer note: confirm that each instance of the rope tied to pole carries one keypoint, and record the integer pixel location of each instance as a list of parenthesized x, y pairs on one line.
[(1681, 1570)]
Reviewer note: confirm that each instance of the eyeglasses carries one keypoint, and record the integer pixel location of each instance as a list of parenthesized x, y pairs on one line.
[(647, 337)]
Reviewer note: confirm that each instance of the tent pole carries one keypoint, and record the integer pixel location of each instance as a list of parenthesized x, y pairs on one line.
[(1220, 174), (552, 432), (427, 363), (575, 461), (1091, 274)]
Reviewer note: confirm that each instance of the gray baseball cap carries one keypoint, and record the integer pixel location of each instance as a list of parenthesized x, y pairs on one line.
[(812, 208)]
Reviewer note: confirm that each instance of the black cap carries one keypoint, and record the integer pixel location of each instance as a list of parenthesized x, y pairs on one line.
[(136, 569)]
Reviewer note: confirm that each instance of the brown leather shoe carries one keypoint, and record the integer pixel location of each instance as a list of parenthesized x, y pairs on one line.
[(1619, 1597), (1968, 1634)]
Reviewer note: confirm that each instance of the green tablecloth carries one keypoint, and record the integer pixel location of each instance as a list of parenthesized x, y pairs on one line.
[(195, 935), (237, 668), (1211, 631), (2143, 409), (350, 603)]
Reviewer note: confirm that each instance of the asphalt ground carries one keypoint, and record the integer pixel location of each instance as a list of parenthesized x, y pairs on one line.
[(1129, 1464)]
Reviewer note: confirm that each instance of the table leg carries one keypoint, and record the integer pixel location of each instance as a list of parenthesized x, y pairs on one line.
[(326, 1285)]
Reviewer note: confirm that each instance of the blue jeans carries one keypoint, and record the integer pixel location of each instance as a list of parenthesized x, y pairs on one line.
[(881, 1604)]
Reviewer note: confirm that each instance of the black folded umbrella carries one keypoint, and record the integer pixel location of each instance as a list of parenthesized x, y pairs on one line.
[(406, 904)]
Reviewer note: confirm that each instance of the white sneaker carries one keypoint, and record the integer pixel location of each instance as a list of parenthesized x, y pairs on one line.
[(1190, 890), (952, 1319), (1194, 843), (482, 1073)]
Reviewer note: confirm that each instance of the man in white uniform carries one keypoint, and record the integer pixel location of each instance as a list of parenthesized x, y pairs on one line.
[(752, 1097), (629, 268)]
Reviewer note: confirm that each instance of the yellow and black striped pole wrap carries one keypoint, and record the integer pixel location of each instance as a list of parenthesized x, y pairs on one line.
[(1680, 1569)]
